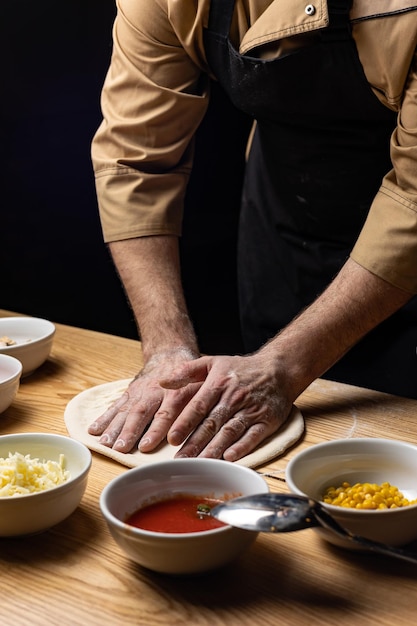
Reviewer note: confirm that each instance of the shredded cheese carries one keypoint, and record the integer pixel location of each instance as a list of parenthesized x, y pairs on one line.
[(21, 475)]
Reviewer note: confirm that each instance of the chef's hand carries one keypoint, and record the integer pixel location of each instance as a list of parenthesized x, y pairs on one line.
[(145, 402), (239, 404)]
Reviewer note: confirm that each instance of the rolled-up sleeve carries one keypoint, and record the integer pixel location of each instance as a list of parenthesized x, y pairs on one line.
[(153, 100), (387, 245)]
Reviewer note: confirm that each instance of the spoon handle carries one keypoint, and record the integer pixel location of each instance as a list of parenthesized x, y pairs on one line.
[(328, 522)]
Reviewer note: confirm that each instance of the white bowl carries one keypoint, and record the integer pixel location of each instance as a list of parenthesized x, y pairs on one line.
[(33, 337), (183, 553), (371, 460), (10, 373), (36, 512)]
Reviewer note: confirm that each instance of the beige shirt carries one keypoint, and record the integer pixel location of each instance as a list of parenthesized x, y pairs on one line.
[(156, 94)]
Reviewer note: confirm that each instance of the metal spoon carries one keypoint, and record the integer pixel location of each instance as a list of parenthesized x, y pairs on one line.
[(277, 513)]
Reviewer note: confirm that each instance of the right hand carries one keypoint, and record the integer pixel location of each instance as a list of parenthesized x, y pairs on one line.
[(145, 403)]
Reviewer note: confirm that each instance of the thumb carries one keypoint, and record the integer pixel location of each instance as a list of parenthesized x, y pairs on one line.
[(191, 372)]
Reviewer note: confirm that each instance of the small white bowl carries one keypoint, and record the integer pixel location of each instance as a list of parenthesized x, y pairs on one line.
[(179, 553), (39, 511), (360, 460), (33, 337), (10, 373)]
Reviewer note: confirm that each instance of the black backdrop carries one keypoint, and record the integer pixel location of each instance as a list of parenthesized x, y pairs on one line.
[(52, 257)]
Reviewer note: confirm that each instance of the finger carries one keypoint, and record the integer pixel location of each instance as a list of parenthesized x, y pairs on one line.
[(110, 434), (241, 435), (247, 443), (234, 440), (195, 412), (102, 422), (189, 372), (206, 432), (214, 435), (172, 405), (135, 422)]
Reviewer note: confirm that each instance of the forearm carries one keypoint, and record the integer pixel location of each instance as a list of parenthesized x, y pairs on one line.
[(355, 303), (149, 268)]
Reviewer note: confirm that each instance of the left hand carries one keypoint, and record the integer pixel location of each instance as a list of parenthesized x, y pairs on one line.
[(239, 404)]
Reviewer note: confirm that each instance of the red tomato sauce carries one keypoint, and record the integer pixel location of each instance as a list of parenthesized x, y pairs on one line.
[(179, 514)]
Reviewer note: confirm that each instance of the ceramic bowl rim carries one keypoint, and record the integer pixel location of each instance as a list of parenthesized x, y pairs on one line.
[(65, 486), (143, 533), (46, 334), (7, 358), (333, 443)]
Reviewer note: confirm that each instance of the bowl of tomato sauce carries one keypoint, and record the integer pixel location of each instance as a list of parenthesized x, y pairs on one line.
[(159, 514)]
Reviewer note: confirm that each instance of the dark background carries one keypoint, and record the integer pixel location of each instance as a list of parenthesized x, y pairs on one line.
[(53, 261)]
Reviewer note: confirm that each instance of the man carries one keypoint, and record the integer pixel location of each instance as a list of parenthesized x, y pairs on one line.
[(333, 91)]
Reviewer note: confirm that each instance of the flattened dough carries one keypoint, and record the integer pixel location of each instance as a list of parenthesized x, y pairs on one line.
[(84, 408)]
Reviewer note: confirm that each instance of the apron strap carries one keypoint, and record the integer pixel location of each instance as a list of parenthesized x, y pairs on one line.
[(339, 24), (220, 18)]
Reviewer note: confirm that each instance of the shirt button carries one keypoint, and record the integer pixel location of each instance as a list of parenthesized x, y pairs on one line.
[(310, 9)]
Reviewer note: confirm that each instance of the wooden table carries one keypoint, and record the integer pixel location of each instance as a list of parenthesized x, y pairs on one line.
[(75, 573)]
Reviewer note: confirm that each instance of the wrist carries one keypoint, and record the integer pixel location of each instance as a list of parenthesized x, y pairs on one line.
[(180, 353), (291, 363)]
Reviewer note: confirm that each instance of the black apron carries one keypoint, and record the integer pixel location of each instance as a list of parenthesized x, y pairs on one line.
[(319, 153)]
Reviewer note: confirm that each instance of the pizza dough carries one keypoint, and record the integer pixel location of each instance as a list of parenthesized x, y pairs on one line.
[(84, 408)]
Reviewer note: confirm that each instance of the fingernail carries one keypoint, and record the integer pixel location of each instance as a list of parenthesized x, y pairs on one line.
[(175, 438), (144, 443), (120, 444), (104, 439)]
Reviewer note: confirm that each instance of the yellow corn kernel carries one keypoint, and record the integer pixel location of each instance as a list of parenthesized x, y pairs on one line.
[(366, 496)]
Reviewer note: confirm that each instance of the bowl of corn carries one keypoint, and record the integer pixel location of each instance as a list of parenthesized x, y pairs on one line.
[(368, 485)]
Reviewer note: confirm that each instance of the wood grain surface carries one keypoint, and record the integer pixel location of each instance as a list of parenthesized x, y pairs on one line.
[(74, 574)]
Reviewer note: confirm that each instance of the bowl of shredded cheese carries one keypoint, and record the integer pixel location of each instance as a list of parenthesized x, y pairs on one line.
[(43, 477), (368, 485)]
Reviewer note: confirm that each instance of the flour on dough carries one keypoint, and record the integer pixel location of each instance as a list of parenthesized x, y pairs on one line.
[(84, 408)]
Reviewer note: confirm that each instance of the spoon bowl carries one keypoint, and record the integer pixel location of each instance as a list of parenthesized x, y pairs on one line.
[(278, 513)]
